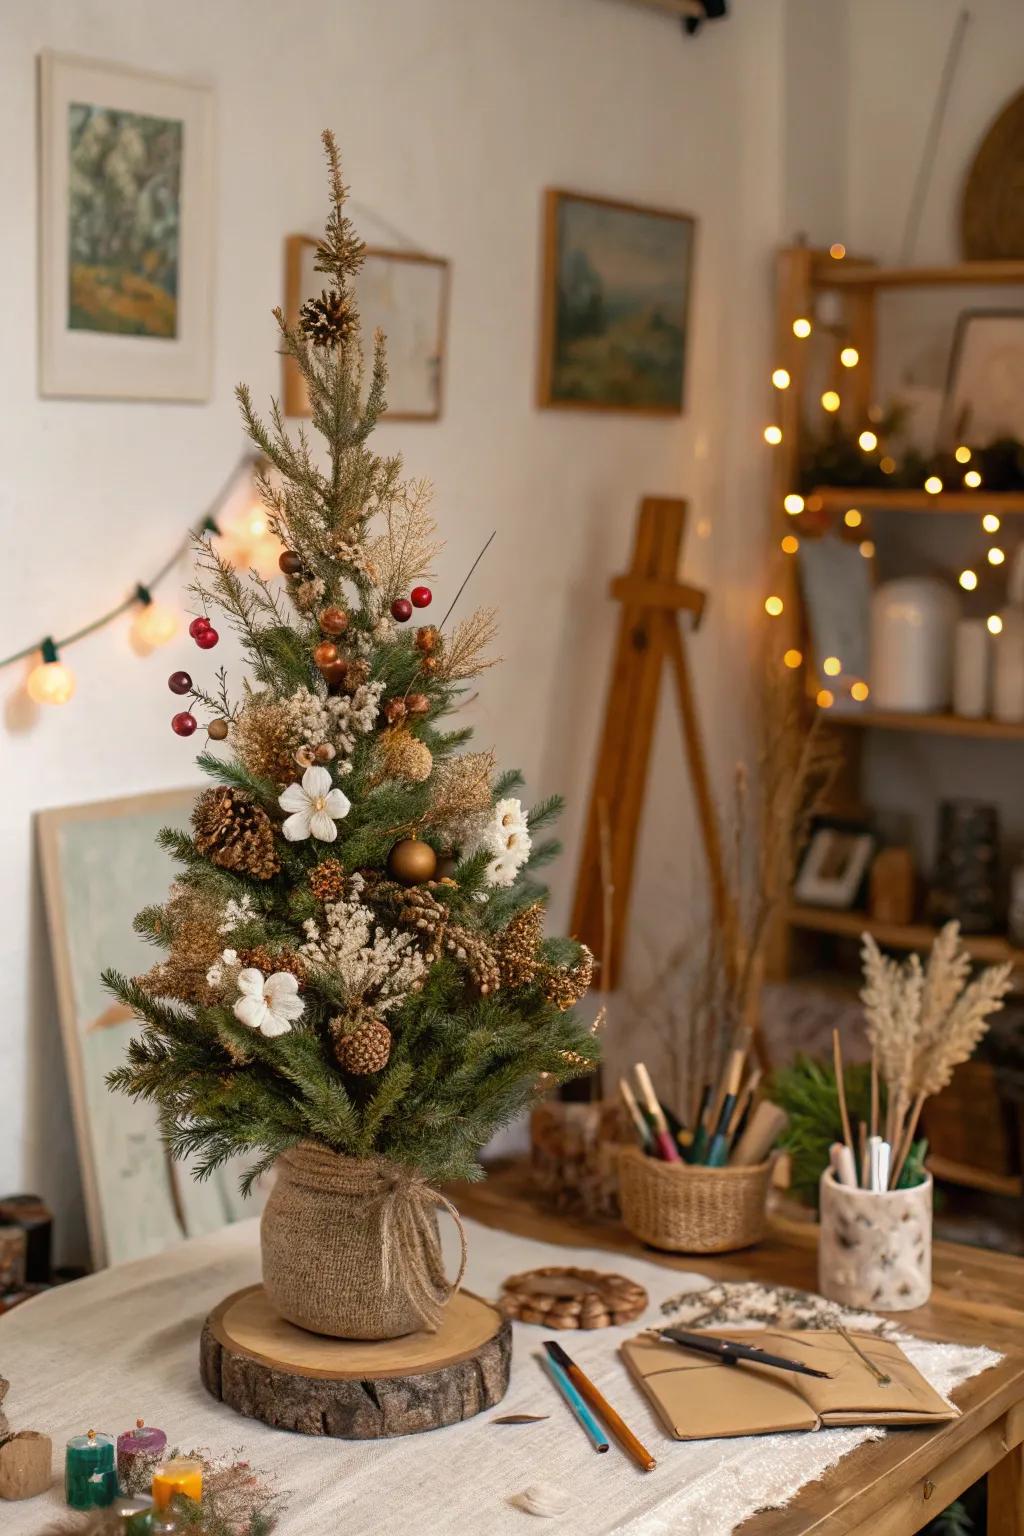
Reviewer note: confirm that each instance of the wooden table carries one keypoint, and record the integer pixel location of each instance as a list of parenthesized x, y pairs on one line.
[(892, 1486)]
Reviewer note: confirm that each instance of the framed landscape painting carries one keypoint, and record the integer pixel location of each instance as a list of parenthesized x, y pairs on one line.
[(402, 293), (616, 304), (126, 226)]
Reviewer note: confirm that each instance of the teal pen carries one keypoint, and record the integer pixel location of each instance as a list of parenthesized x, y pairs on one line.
[(576, 1404)]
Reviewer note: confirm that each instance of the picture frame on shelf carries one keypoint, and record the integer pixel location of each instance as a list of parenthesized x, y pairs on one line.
[(616, 305), (984, 397), (837, 580), (834, 865), (403, 293), (126, 222)]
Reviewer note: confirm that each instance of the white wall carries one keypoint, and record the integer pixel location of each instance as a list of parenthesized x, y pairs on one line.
[(453, 116)]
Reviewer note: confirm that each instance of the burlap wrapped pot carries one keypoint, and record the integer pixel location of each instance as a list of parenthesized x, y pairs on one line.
[(351, 1246)]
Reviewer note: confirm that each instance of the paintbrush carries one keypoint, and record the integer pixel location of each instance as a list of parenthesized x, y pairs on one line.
[(718, 1150), (633, 1110), (667, 1148)]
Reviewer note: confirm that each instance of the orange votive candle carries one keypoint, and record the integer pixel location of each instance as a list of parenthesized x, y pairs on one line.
[(180, 1476)]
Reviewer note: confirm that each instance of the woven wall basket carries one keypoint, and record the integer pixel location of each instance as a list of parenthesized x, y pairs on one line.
[(686, 1209)]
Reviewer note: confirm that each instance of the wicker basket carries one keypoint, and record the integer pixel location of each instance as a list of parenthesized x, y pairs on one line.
[(686, 1209)]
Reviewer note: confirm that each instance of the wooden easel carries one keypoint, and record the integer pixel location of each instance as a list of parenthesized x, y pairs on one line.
[(652, 598)]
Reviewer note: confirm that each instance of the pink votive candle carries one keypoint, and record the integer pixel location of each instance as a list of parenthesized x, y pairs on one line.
[(143, 1442)]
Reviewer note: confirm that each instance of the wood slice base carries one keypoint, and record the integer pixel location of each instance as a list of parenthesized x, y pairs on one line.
[(266, 1368)]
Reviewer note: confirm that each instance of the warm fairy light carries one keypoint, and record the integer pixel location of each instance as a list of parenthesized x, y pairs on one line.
[(933, 485), (968, 580), (972, 479), (990, 523), (773, 606), (859, 691), (849, 357), (793, 658), (154, 625), (963, 454), (831, 666), (868, 441), (852, 518), (837, 251), (887, 464), (830, 400), (996, 556), (781, 379), (994, 624), (825, 698), (247, 541), (790, 544), (793, 503), (867, 548), (802, 327), (51, 682), (772, 435)]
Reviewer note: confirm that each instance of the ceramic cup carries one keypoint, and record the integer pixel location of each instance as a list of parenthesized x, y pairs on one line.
[(875, 1249)]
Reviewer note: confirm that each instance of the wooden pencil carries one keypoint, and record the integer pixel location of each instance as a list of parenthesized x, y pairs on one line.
[(837, 1057), (601, 1406)]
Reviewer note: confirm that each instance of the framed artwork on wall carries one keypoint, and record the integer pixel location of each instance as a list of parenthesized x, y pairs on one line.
[(402, 293), (615, 323), (125, 232)]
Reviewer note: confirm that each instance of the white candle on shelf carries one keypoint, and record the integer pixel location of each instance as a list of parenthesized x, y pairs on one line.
[(971, 659)]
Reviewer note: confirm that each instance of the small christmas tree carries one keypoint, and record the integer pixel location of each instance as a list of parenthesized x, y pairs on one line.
[(355, 954)]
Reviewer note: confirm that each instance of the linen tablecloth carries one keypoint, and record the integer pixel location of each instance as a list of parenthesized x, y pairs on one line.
[(124, 1344)]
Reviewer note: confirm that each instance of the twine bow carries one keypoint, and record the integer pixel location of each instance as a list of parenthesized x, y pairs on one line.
[(409, 1245)]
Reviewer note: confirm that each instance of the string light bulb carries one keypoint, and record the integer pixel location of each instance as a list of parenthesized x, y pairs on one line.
[(968, 580), (972, 479), (849, 357), (837, 250), (887, 464), (933, 485), (825, 698), (802, 327), (852, 518), (831, 666), (793, 503), (793, 658), (790, 544), (51, 682), (830, 400), (868, 440), (990, 523), (859, 691), (994, 624), (996, 556), (773, 606), (962, 454), (866, 547), (246, 541), (772, 435), (154, 624), (781, 378)]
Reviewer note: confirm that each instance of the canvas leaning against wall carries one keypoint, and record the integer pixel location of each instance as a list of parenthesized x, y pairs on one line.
[(126, 225), (615, 330)]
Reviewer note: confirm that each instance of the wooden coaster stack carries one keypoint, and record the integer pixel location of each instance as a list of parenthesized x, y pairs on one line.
[(572, 1298)]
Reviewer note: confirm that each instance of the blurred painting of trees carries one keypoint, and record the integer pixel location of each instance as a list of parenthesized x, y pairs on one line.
[(124, 221)]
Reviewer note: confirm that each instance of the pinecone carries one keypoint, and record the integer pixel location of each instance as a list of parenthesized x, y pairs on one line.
[(327, 880), (429, 917), (564, 986), (518, 947), (328, 320), (269, 962), (235, 833), (362, 1049), (473, 952)]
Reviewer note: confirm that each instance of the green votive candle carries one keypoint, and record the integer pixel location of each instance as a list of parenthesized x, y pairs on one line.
[(90, 1471)]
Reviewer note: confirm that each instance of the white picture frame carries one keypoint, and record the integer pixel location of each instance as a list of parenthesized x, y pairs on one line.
[(833, 867), (125, 249)]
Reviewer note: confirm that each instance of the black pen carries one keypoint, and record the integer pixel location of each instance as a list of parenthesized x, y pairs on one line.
[(731, 1351)]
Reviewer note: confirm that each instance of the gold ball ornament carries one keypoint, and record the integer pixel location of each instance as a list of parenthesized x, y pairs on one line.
[(335, 673), (333, 620), (325, 654), (411, 861), (217, 730)]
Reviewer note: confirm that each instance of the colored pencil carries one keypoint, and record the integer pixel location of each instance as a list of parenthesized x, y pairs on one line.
[(718, 1151), (623, 1434), (575, 1403), (662, 1138), (837, 1058), (633, 1110)]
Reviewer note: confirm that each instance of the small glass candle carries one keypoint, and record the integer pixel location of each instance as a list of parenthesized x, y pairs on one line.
[(182, 1476), (137, 1514), (135, 1448), (90, 1476)]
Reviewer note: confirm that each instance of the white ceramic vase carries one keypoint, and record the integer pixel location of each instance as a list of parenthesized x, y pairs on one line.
[(875, 1249), (912, 625)]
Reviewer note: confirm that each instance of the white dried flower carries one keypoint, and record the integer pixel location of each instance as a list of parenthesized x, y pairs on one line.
[(236, 913), (315, 806), (504, 833), (371, 964), (270, 1004)]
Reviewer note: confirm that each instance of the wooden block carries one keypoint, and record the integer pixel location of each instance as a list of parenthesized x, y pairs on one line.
[(892, 886), (26, 1465)]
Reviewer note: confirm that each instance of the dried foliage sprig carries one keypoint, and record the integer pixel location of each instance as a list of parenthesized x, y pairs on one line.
[(464, 653)]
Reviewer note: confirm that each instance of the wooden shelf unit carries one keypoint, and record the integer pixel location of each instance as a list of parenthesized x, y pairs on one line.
[(853, 272), (838, 498), (928, 725), (990, 948)]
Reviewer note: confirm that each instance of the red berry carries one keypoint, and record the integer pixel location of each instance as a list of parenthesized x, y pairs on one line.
[(179, 682), (183, 724), (421, 597), (207, 639), (401, 609), (197, 627)]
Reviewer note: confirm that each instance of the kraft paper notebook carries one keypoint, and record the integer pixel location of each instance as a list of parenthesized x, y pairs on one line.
[(699, 1398)]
